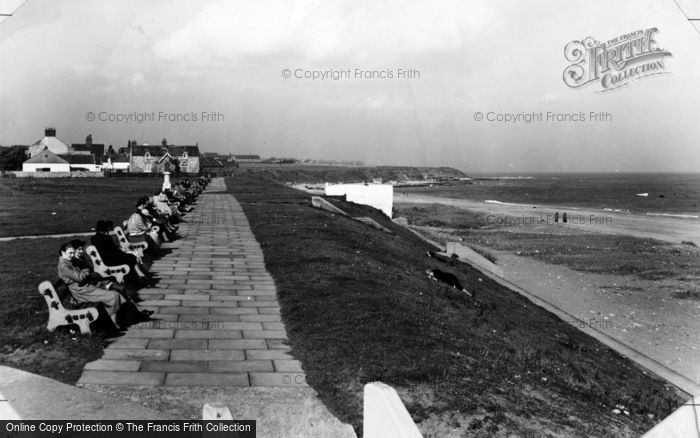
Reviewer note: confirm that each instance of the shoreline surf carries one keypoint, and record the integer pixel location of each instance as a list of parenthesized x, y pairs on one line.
[(665, 194)]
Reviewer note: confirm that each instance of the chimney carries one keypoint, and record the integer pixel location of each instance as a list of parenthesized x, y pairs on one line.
[(164, 142), (50, 132), (88, 139)]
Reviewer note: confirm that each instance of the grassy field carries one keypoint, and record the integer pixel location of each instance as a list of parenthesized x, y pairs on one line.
[(359, 308), (38, 206), (646, 259), (26, 207)]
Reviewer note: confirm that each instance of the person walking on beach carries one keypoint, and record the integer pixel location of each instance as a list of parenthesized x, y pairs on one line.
[(556, 217), (564, 218)]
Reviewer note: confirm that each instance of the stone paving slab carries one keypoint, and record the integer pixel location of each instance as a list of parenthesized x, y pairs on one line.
[(113, 365), (121, 377), (175, 367), (207, 334), (287, 366), (207, 379), (135, 354), (281, 379), (238, 344)]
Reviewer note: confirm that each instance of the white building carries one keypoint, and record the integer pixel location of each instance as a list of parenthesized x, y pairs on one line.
[(50, 141), (46, 161)]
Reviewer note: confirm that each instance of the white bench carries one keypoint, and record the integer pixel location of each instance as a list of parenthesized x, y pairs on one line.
[(80, 314), (117, 272), (126, 245)]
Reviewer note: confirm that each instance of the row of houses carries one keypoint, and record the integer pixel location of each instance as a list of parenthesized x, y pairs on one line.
[(51, 154)]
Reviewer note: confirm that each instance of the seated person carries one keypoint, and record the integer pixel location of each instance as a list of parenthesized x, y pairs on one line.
[(82, 261), (136, 252), (176, 203), (181, 194), (161, 204), (82, 291), (113, 255), (109, 283), (139, 225), (166, 229)]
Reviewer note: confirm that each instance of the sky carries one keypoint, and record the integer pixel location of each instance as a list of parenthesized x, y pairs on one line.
[(413, 77)]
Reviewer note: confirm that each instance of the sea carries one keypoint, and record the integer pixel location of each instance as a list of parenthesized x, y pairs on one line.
[(663, 194)]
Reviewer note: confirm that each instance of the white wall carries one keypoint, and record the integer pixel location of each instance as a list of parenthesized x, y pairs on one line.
[(379, 196), (115, 166), (55, 167), (88, 167)]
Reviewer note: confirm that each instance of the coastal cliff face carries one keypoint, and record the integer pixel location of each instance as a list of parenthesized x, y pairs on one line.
[(320, 174)]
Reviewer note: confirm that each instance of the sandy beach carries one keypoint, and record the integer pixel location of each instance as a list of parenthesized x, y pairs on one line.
[(643, 314), (639, 313), (668, 229)]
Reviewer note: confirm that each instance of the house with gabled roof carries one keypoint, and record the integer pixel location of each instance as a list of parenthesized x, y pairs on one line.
[(115, 161), (97, 149), (164, 158), (85, 162), (51, 142), (46, 161)]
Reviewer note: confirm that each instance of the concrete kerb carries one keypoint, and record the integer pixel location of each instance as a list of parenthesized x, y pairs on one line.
[(45, 236), (29, 396)]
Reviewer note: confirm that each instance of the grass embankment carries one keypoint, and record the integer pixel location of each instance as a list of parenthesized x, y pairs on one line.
[(647, 259), (358, 308), (322, 174), (25, 209)]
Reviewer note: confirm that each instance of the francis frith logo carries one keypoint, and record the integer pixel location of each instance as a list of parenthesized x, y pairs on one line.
[(614, 63)]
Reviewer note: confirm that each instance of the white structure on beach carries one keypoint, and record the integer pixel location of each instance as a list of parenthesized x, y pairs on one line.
[(379, 196)]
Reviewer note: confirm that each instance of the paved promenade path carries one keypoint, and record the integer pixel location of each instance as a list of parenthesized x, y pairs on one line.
[(217, 327)]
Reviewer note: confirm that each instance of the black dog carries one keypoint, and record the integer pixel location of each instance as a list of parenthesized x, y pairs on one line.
[(447, 278)]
